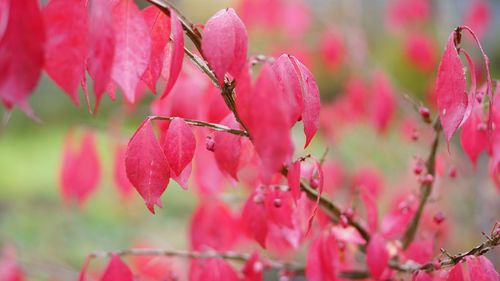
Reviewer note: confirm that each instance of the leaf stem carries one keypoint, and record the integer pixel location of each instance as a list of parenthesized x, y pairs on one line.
[(214, 126)]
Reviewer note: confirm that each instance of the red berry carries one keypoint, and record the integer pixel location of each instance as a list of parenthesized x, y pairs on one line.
[(210, 143), (277, 202), (425, 113), (439, 218)]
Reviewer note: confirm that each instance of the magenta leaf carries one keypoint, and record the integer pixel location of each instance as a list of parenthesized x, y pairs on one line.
[(322, 259), (158, 24), (120, 174), (227, 148), (253, 270), (20, 67), (377, 256), (212, 269), (133, 47), (146, 165), (179, 145), (101, 48), (175, 53), (76, 185), (66, 46), (225, 43), (117, 270), (451, 90), (254, 218), (481, 269), (474, 136), (293, 178)]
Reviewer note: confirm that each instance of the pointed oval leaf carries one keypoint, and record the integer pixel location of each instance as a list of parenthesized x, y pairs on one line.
[(227, 149), (133, 47), (293, 178), (322, 259), (117, 270), (225, 43), (377, 256), (473, 138), (20, 67), (451, 90), (146, 165), (66, 48), (175, 52), (179, 145), (212, 269)]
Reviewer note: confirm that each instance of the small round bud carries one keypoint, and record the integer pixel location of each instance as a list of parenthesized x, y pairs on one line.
[(344, 222), (414, 135), (277, 202), (439, 218), (452, 173), (210, 143), (349, 213), (424, 113), (437, 264), (482, 127), (314, 183), (418, 168), (427, 179)]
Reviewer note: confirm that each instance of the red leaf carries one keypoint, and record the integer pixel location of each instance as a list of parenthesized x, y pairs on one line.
[(101, 41), (254, 218), (146, 165), (117, 270), (420, 51), (474, 136), (481, 269), (371, 209), (120, 174), (332, 49), (66, 47), (179, 145), (207, 235), (253, 269), (76, 185), (293, 178), (377, 256), (290, 86), (269, 126), (421, 276), (158, 24), (133, 47), (310, 99), (451, 90), (20, 65), (227, 149), (212, 269), (225, 44), (384, 103), (456, 273), (322, 259), (175, 53)]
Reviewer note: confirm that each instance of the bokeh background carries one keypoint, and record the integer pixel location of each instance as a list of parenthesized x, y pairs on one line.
[(52, 238)]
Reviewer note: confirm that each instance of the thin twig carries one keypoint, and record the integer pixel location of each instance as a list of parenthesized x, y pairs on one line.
[(214, 126), (425, 188), (233, 256)]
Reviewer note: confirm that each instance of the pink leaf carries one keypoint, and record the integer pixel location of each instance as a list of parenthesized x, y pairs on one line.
[(212, 269), (474, 136), (227, 149), (377, 256), (146, 165), (175, 54), (101, 44), (456, 273), (179, 145), (293, 178), (158, 24), (225, 44), (254, 218), (384, 103), (481, 269), (332, 49), (133, 47), (66, 47), (371, 209), (76, 185), (421, 276), (207, 235), (451, 90), (322, 259), (10, 270), (290, 85), (310, 99), (117, 270), (20, 65)]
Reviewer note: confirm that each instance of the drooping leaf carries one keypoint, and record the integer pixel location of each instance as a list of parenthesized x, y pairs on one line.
[(66, 47), (290, 85), (132, 49), (179, 145), (227, 148), (212, 269), (207, 235), (481, 269), (76, 185), (377, 256), (101, 48), (225, 43), (20, 65), (117, 270), (322, 259), (474, 136), (146, 165), (175, 53), (451, 90), (253, 270), (293, 178), (310, 99), (254, 218), (158, 24)]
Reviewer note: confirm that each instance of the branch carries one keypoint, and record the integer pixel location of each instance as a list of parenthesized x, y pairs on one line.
[(425, 188), (233, 256), (214, 126)]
